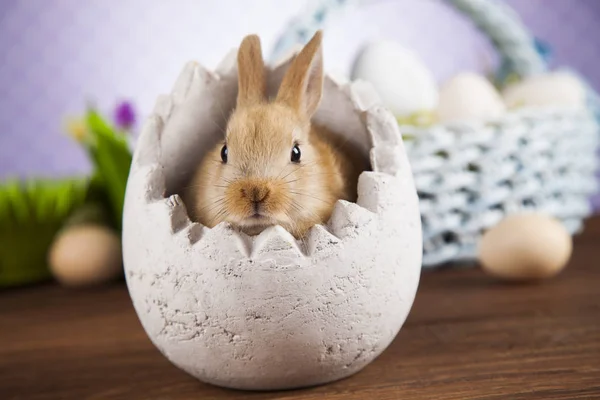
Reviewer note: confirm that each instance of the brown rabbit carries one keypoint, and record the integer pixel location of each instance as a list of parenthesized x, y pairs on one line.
[(274, 167)]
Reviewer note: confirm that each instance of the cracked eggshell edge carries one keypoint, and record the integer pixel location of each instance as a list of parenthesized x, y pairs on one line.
[(270, 312)]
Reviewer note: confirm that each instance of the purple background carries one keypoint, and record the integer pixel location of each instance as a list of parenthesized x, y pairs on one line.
[(57, 54)]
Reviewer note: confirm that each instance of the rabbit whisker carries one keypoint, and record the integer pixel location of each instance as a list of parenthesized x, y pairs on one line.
[(311, 175), (214, 205), (308, 195)]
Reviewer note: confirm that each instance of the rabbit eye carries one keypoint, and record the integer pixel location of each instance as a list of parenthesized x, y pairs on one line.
[(296, 154), (224, 153)]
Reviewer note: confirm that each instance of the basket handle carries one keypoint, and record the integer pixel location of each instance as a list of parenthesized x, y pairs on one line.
[(494, 18)]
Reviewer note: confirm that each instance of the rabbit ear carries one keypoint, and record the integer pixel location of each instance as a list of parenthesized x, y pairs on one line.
[(302, 85), (251, 72)]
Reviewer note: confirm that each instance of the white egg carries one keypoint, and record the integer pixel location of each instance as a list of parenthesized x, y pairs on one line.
[(404, 84), (85, 255), (525, 247), (469, 96), (552, 89)]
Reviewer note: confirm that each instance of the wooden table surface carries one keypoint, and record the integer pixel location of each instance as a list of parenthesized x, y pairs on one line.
[(467, 337)]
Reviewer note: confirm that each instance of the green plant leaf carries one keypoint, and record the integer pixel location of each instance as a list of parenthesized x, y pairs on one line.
[(31, 213), (17, 205), (112, 158)]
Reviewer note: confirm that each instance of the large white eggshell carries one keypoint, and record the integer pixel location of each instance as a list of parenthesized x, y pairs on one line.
[(469, 96), (558, 89), (403, 82), (269, 312)]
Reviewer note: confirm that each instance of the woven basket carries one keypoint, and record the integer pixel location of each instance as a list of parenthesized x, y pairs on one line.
[(470, 175)]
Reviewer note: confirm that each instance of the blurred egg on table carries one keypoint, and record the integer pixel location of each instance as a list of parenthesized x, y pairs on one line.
[(85, 255), (403, 82), (551, 89), (469, 96), (525, 247)]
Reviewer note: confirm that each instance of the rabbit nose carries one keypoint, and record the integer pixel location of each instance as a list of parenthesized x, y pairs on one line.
[(256, 194)]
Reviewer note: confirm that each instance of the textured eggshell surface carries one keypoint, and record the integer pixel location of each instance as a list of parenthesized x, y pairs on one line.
[(269, 312)]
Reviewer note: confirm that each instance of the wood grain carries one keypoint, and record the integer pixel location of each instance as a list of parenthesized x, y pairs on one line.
[(467, 337)]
